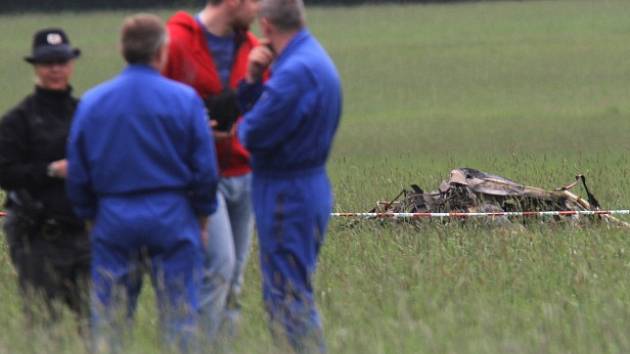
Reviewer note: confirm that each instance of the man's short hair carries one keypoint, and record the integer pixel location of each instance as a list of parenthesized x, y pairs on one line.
[(286, 15), (141, 38)]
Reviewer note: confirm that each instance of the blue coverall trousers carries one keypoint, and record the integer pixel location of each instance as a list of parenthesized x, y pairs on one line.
[(159, 229), (292, 214)]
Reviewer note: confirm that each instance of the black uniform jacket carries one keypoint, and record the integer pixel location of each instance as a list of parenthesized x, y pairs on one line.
[(32, 135)]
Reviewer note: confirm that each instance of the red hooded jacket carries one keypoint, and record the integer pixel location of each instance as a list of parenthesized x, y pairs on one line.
[(190, 62)]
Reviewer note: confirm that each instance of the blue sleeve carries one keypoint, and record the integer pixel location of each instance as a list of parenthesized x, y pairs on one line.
[(203, 163), (248, 94), (78, 182), (276, 114)]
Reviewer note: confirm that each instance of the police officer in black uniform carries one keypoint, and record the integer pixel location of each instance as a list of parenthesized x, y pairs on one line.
[(48, 245)]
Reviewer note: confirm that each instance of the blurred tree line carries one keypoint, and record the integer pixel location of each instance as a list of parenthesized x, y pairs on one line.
[(12, 6), (9, 6)]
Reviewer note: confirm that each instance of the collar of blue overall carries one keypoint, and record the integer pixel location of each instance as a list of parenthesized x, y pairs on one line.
[(300, 37), (140, 68)]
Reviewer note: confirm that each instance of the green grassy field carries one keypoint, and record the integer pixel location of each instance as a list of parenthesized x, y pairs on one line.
[(534, 91)]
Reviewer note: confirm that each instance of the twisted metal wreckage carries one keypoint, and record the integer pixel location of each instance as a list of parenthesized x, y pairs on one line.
[(469, 193)]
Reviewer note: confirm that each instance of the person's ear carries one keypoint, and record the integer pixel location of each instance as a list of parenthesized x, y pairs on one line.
[(266, 27), (163, 56)]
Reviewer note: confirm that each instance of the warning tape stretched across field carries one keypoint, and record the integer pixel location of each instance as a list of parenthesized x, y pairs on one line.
[(480, 214), (463, 214)]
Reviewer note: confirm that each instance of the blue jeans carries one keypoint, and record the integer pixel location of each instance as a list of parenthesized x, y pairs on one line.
[(229, 236)]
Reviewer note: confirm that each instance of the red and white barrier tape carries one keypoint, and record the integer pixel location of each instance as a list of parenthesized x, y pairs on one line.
[(463, 214), (492, 214)]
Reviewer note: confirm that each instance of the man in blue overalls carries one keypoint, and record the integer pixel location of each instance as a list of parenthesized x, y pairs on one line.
[(142, 169), (289, 128)]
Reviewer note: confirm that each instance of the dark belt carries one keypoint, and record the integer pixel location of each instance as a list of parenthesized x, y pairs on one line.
[(34, 225), (53, 229)]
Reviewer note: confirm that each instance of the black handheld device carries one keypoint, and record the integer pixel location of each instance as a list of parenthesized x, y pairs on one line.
[(224, 109)]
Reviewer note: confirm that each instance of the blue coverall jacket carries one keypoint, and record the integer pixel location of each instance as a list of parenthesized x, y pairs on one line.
[(142, 166), (288, 130)]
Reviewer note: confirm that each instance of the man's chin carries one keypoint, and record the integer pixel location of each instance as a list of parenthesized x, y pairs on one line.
[(241, 27)]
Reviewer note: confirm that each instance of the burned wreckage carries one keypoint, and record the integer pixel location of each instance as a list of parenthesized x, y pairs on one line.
[(469, 190)]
